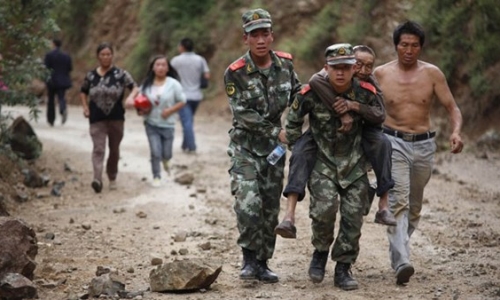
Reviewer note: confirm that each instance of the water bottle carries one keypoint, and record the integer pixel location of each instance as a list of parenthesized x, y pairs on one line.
[(277, 153)]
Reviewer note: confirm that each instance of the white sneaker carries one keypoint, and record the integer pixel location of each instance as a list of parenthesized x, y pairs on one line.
[(156, 182)]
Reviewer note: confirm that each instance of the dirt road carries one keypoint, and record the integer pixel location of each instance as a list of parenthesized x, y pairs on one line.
[(455, 251)]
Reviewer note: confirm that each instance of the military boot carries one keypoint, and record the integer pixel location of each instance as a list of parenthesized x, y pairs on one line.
[(264, 274), (249, 267), (343, 277), (317, 266)]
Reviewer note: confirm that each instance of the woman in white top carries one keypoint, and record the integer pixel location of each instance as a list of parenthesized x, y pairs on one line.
[(167, 98)]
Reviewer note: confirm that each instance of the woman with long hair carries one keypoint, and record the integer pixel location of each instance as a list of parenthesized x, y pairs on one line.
[(167, 98)]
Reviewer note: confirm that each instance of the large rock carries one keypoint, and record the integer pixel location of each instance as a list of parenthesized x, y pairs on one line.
[(15, 286), (23, 139), (18, 247), (183, 275)]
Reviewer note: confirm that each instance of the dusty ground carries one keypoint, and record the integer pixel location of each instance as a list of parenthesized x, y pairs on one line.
[(456, 249)]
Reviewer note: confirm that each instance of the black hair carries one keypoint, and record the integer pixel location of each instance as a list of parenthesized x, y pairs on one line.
[(187, 44), (57, 43), (364, 48), (150, 75), (103, 46), (408, 27)]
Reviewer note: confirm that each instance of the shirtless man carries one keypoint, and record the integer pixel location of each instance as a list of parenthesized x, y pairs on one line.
[(409, 86)]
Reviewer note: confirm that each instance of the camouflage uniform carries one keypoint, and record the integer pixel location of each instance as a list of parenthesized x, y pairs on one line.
[(340, 169), (258, 101)]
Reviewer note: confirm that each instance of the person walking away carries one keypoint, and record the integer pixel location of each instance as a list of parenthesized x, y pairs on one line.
[(339, 177), (60, 67), (190, 66), (102, 94), (167, 98), (259, 85), (409, 86)]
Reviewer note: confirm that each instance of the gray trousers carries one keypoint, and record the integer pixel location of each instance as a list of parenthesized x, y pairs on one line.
[(411, 170)]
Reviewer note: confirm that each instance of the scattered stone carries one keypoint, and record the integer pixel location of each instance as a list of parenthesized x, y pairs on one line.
[(107, 284), (71, 221), (50, 236), (119, 211), (23, 139), (185, 179), (211, 221), (86, 226), (130, 270), (156, 227), (67, 168), (101, 270), (155, 261), (183, 251), (205, 246), (201, 190), (173, 252), (56, 188), (32, 179), (14, 286), (41, 195), (19, 248), (21, 196), (180, 236), (141, 215), (191, 206), (184, 275)]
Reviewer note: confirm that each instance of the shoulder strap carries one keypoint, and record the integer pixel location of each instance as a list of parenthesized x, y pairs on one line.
[(284, 55), (305, 89), (240, 63), (368, 86)]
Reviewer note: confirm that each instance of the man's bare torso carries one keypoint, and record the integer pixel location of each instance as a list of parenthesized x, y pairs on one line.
[(408, 95)]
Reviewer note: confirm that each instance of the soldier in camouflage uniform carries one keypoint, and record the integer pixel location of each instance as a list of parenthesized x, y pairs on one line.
[(260, 85), (340, 169)]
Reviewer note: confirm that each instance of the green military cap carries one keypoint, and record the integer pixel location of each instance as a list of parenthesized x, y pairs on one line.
[(340, 54), (256, 18)]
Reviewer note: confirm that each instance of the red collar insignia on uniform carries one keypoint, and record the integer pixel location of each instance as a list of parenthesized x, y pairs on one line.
[(284, 55), (305, 89), (240, 63), (368, 86)]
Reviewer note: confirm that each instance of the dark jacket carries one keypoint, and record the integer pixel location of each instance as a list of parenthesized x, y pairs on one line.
[(59, 63)]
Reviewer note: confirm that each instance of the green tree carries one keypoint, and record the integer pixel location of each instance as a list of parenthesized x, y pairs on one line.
[(24, 26), (163, 24), (468, 32)]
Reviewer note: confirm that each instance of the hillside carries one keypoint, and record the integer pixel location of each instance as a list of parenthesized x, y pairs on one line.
[(139, 29)]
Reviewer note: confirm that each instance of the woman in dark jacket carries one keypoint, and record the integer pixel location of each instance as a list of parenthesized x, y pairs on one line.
[(102, 94)]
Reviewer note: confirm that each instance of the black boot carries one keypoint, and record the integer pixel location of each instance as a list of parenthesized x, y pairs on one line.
[(343, 278), (317, 266), (265, 274), (250, 267)]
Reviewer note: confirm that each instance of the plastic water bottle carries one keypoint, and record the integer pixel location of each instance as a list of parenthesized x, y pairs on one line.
[(276, 155)]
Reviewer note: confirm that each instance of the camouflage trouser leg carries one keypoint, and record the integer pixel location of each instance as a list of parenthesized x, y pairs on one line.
[(257, 187), (323, 208)]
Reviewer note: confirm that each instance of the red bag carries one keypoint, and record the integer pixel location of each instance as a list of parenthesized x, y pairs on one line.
[(142, 104)]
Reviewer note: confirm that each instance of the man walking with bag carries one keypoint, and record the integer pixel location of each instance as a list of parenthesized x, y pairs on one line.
[(191, 67)]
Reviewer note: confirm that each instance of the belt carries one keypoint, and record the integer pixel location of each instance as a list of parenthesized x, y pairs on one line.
[(410, 137)]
